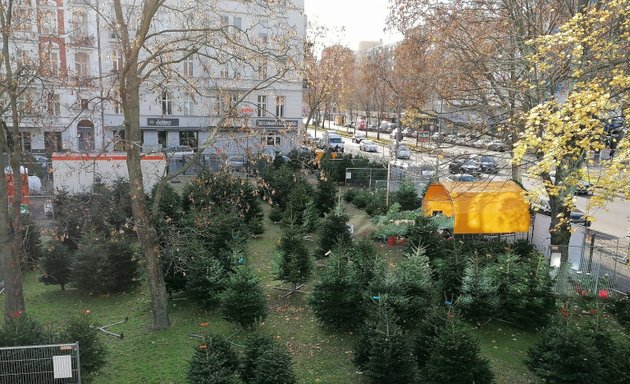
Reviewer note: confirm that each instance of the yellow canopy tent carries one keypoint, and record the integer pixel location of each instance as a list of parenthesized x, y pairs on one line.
[(489, 207)]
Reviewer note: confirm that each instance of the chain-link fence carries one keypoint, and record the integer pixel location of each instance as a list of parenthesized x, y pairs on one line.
[(595, 268), (377, 178), (40, 364)]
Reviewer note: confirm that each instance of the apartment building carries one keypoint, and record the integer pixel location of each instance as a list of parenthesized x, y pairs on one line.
[(242, 80)]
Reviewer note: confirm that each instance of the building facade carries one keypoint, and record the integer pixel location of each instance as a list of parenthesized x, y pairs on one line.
[(242, 81)]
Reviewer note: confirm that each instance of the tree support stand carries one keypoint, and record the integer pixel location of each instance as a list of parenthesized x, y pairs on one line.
[(296, 289)]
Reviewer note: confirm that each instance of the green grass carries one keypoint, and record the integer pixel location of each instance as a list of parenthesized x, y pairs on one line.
[(143, 356)]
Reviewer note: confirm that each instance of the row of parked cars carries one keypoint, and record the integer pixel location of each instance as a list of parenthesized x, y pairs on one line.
[(471, 141)]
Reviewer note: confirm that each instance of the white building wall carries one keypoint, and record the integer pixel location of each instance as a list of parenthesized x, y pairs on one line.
[(106, 121)]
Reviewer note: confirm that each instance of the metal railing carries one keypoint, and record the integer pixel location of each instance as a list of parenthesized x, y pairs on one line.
[(40, 364)]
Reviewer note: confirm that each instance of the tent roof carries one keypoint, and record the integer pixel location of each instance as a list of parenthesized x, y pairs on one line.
[(480, 207)]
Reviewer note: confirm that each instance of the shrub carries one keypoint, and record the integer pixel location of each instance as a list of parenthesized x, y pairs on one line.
[(92, 348), (57, 263), (206, 280), (383, 350), (102, 265), (376, 203), (243, 300), (621, 309), (214, 362)]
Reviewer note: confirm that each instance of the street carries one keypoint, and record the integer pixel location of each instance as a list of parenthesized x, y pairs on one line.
[(613, 218)]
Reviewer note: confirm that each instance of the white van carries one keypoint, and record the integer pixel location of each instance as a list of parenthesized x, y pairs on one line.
[(332, 141)]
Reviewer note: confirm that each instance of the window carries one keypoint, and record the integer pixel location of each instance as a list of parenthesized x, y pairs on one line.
[(23, 19), (51, 62), (117, 60), (188, 67), (264, 39), (81, 64), (54, 106), (189, 105), (237, 23), (262, 70), (280, 100), (167, 104), (272, 140), (189, 138), (52, 142), (261, 106), (85, 104), (225, 21), (25, 141), (80, 22), (49, 22)]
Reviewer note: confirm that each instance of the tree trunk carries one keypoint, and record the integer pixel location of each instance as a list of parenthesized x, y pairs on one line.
[(147, 235), (9, 259)]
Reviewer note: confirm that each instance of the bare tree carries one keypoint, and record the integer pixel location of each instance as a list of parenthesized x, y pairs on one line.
[(155, 38)]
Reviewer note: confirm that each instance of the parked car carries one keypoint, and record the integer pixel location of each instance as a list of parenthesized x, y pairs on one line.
[(368, 146), (236, 163), (583, 187), (403, 152), (358, 137), (488, 164), (463, 178), (465, 165), (395, 132), (576, 215), (179, 152), (332, 141), (496, 146)]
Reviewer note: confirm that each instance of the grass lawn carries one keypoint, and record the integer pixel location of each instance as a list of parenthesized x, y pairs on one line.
[(143, 356)]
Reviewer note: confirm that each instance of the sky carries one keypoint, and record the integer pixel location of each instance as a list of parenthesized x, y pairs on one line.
[(360, 19)]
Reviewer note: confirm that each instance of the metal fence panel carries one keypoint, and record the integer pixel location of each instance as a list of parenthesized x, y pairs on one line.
[(40, 364)]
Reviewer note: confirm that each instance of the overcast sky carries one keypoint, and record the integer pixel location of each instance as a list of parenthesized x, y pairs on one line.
[(361, 20)]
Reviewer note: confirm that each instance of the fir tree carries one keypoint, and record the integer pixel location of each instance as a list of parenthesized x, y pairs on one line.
[(407, 197), (254, 347), (336, 298), (214, 362), (243, 300), (311, 218), (333, 232), (274, 366), (206, 280), (478, 297), (93, 349), (383, 350), (456, 358), (57, 263), (294, 264), (325, 196), (410, 289)]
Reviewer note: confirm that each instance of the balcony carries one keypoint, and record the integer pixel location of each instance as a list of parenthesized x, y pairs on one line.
[(82, 40)]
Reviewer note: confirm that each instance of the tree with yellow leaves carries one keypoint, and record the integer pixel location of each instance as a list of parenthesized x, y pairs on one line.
[(584, 78)]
